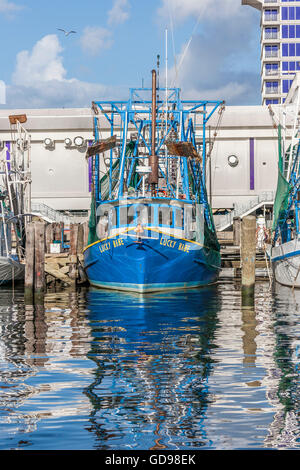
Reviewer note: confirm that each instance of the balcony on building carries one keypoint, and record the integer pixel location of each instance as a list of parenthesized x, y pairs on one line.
[(271, 70), (271, 52), (271, 16), (271, 33), (253, 3), (272, 88)]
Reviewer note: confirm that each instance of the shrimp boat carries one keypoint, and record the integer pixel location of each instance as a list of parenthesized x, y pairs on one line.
[(285, 250), (151, 226)]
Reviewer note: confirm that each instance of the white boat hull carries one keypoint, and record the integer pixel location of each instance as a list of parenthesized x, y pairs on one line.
[(285, 259)]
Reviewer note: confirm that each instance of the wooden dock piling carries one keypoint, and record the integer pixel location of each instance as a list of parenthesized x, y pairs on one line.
[(39, 259), (73, 252), (46, 269), (35, 262), (29, 263), (248, 256), (236, 231)]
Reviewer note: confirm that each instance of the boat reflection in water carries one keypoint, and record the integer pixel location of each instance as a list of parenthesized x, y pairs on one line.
[(153, 362), (284, 393), (180, 370)]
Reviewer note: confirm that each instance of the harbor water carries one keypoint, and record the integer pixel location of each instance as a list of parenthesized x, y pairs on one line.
[(100, 370)]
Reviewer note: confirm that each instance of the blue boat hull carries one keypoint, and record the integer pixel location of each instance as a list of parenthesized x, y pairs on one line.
[(152, 264)]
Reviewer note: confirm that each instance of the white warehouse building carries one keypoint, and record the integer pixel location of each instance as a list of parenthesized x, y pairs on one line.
[(61, 176)]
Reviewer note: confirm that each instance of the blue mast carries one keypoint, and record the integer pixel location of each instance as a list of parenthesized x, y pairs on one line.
[(134, 116)]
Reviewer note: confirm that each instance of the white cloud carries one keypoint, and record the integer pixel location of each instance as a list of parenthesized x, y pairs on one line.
[(201, 9), (222, 58), (42, 64), (95, 39), (2, 92), (40, 80), (119, 12), (8, 7)]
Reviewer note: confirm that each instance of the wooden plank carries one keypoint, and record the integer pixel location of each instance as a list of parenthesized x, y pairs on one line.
[(57, 255), (58, 274), (102, 146)]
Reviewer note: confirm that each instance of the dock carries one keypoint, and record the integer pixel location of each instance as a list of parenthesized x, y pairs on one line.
[(54, 257), (231, 252)]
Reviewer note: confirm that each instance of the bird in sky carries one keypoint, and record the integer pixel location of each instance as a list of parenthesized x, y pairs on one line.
[(66, 32)]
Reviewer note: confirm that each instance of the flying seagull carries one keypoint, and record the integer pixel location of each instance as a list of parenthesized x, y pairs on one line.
[(66, 32)]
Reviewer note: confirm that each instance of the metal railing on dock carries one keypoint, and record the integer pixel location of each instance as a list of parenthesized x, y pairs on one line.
[(222, 222), (51, 215)]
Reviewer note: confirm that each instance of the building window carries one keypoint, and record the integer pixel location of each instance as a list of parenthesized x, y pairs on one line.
[(286, 84), (288, 31), (271, 51), (271, 33), (272, 102), (290, 66), (284, 13), (285, 50), (271, 69), (292, 50), (271, 88), (271, 15)]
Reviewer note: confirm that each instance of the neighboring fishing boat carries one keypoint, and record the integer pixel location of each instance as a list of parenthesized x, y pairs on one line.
[(151, 226), (14, 201), (10, 267), (285, 250)]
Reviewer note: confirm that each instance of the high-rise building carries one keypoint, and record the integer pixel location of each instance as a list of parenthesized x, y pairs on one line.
[(280, 46)]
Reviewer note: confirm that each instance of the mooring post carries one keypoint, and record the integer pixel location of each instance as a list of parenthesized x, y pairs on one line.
[(248, 255), (80, 240), (73, 252), (29, 266), (39, 258), (236, 231), (49, 236), (85, 233)]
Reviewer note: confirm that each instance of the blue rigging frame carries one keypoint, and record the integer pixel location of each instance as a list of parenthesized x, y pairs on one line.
[(174, 121)]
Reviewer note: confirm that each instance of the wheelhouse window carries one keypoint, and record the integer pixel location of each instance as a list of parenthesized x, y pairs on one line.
[(165, 216), (178, 217)]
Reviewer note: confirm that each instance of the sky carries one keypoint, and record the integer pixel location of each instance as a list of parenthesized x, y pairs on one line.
[(213, 50)]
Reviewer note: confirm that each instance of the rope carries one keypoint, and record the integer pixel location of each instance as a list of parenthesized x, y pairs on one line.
[(187, 46), (173, 41), (268, 270)]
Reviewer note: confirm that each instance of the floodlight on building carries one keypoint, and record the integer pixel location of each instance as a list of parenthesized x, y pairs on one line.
[(233, 160), (48, 143), (68, 142), (79, 141)]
